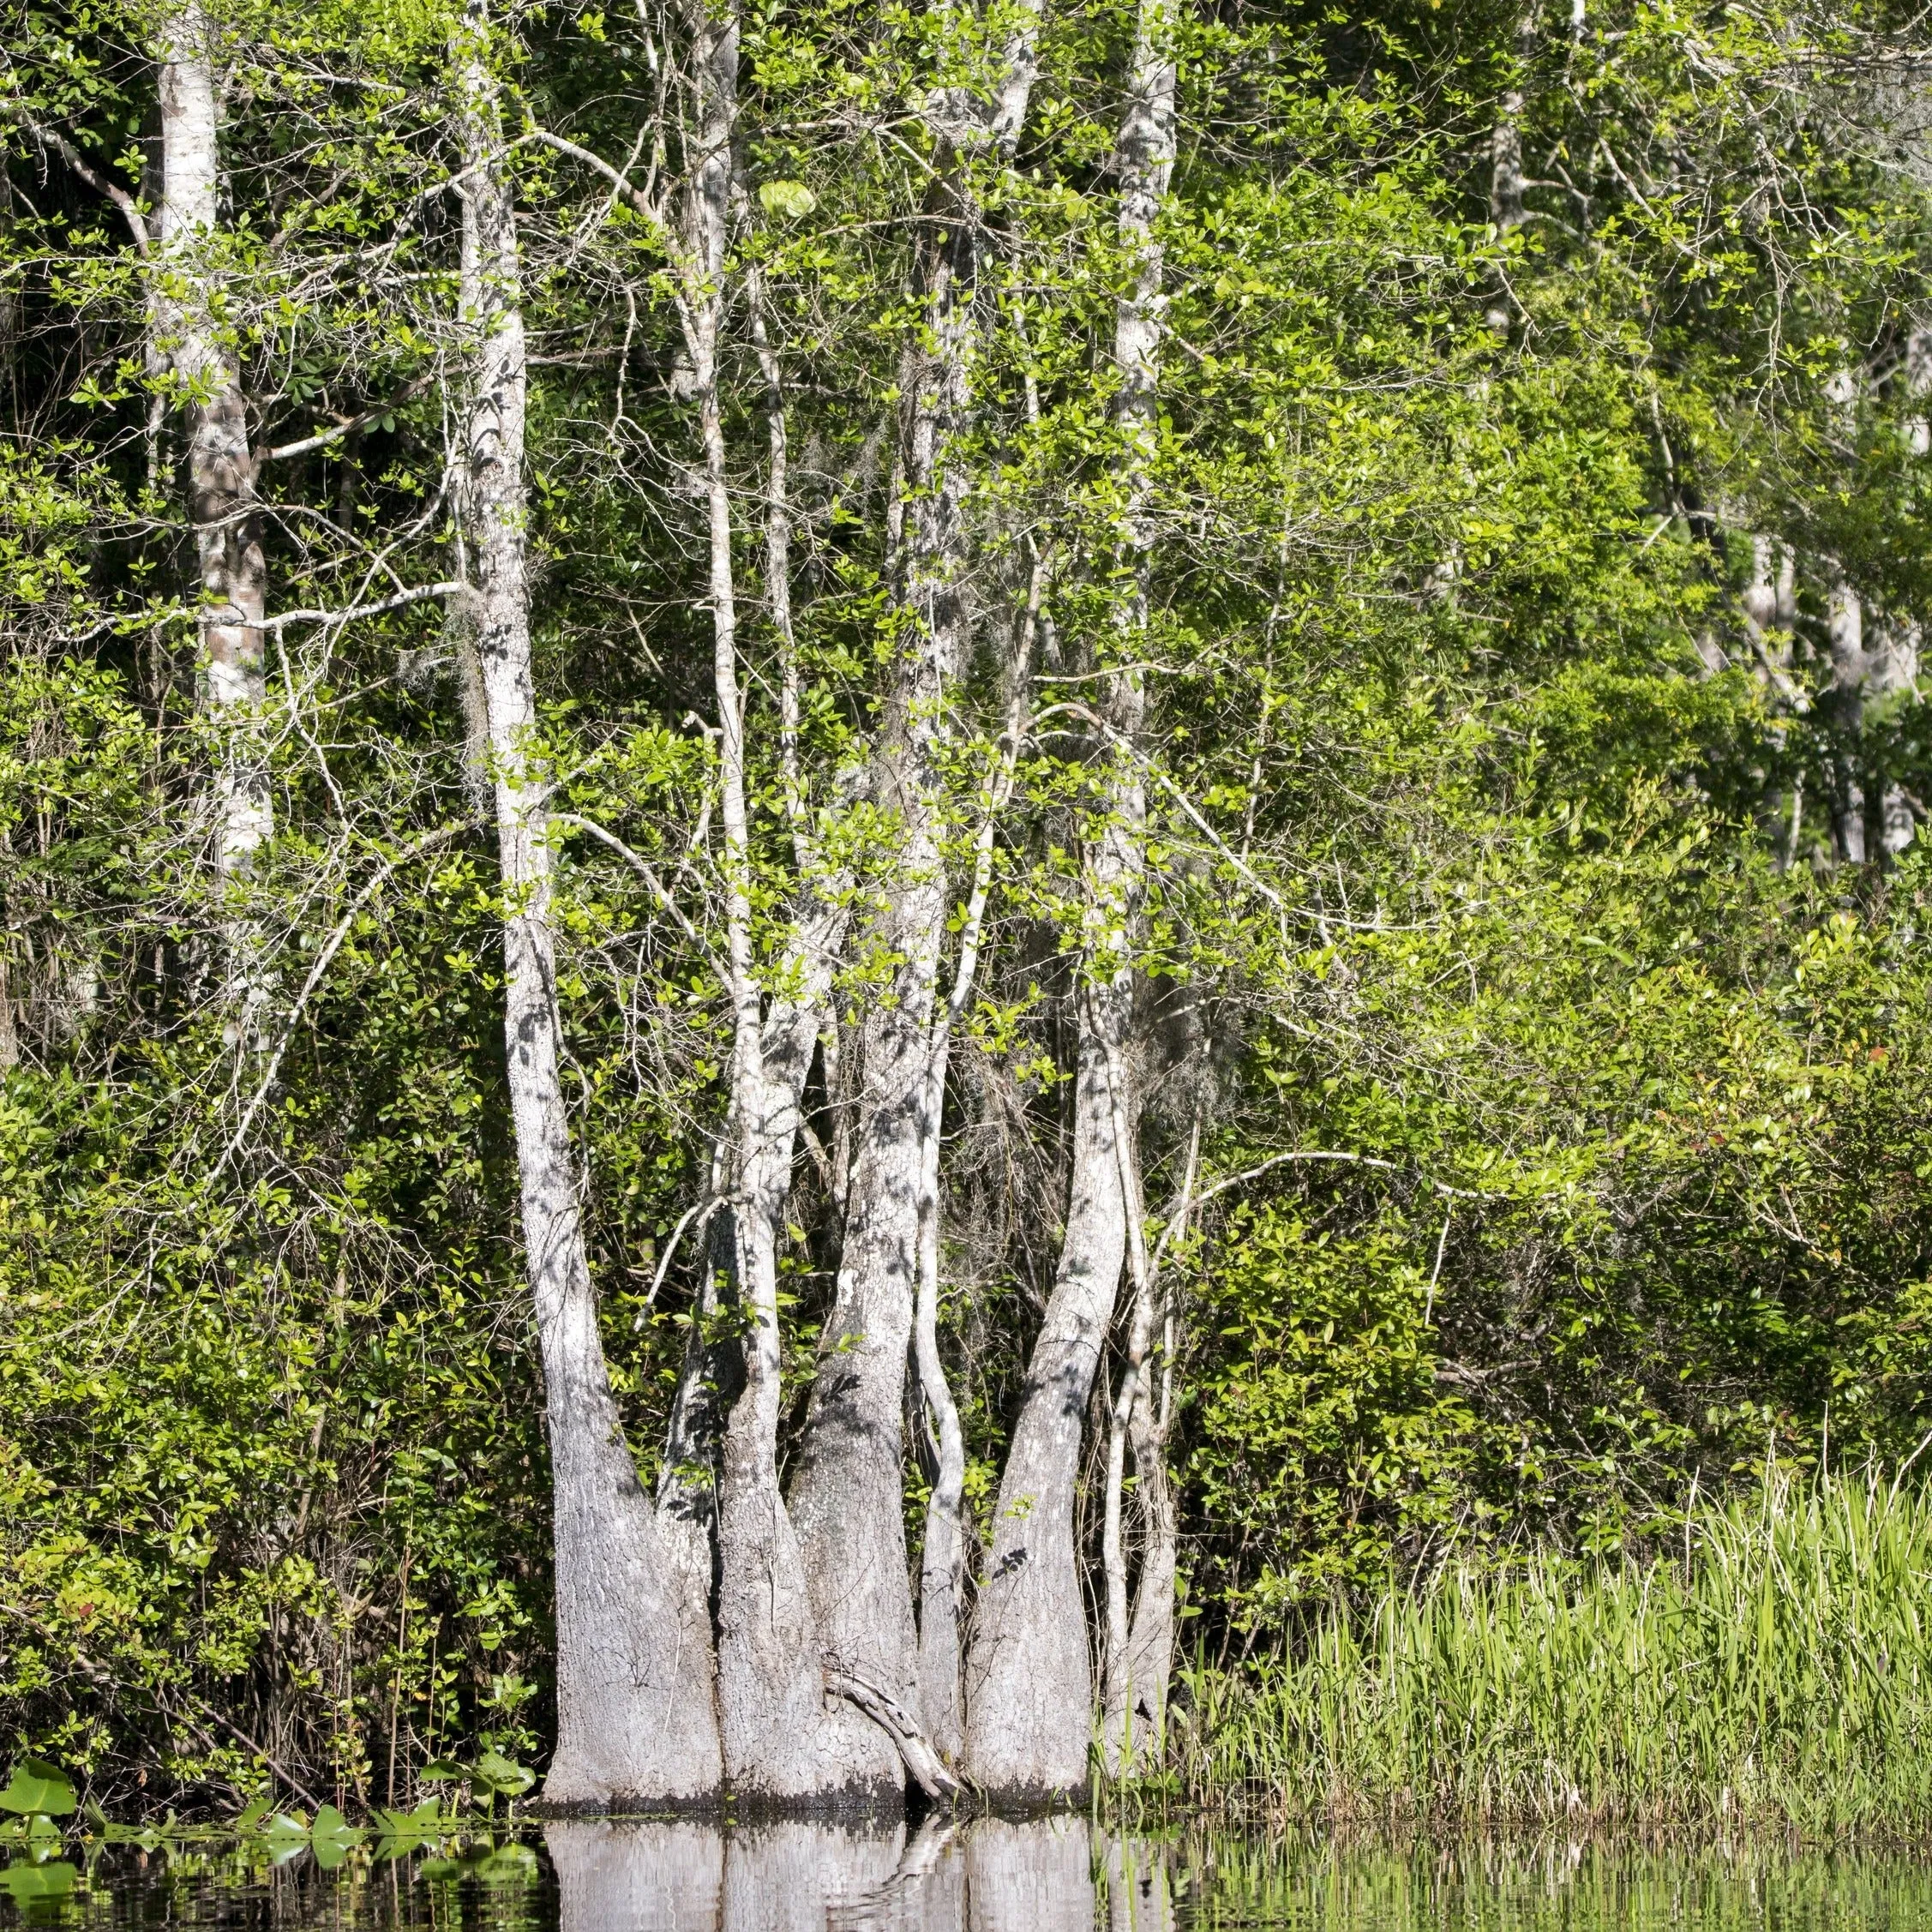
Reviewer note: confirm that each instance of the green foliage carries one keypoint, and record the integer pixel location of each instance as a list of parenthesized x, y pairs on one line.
[(1493, 848), (1769, 1664), (38, 1789)]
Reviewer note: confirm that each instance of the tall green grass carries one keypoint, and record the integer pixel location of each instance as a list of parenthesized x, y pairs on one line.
[(1774, 1669)]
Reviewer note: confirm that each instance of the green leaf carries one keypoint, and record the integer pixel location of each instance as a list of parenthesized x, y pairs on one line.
[(36, 1785), (331, 1838), (495, 1772), (253, 1814), (788, 199), (28, 1883), (438, 1770)]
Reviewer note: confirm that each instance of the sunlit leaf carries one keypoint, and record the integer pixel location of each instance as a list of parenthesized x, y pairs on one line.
[(36, 1785)]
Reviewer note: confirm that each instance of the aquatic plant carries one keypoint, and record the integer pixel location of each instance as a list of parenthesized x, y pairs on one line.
[(1775, 1666)]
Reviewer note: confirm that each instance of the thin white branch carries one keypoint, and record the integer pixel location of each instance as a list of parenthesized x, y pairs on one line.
[(421, 593)]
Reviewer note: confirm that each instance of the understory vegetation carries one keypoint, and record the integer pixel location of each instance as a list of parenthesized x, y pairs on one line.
[(1773, 1670), (895, 866)]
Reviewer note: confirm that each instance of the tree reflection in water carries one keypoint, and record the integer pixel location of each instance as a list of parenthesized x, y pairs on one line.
[(984, 1876)]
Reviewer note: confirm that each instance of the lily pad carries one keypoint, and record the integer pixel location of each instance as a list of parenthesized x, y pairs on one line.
[(39, 1786)]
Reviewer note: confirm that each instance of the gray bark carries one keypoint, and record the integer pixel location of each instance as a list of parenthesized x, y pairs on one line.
[(848, 1497), (1845, 630), (1030, 1675), (635, 1716), (1506, 181), (943, 1555), (232, 568), (1895, 662), (1892, 667), (783, 1739), (1139, 1650)]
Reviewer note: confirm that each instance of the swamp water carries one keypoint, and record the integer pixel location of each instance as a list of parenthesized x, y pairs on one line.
[(1053, 1876)]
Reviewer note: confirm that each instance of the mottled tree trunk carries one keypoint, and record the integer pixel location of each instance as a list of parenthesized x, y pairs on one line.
[(231, 570), (1139, 1653), (1845, 626), (1892, 667), (1506, 181), (783, 1741), (943, 1556), (1030, 1679), (635, 1715), (848, 1497), (1138, 1649)]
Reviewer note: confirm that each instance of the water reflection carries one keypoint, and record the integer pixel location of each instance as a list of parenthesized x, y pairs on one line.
[(987, 1876), (981, 1876)]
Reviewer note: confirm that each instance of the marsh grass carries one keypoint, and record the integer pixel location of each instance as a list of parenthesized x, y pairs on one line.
[(1774, 1670)]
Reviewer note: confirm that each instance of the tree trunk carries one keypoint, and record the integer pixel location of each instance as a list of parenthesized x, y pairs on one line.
[(1140, 1655), (1846, 629), (783, 1740), (1139, 1652), (942, 1562), (1895, 662), (849, 1495), (635, 1715), (1892, 667), (1030, 1677), (1506, 181), (231, 570)]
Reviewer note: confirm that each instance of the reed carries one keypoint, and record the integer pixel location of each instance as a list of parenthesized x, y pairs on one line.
[(1774, 1669)]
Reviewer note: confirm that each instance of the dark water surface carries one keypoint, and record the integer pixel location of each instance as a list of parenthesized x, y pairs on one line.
[(1055, 1876)]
